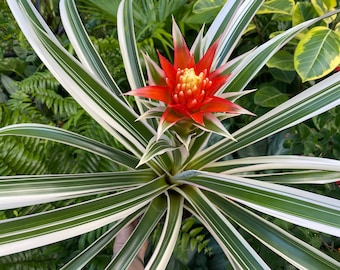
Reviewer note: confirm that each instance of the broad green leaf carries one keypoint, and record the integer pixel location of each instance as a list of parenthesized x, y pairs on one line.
[(295, 251), (19, 191), (169, 235), (23, 233), (277, 6), (324, 6), (317, 54), (73, 139), (300, 207), (282, 60), (313, 101), (236, 248), (269, 96), (150, 219), (80, 261), (203, 6), (303, 11)]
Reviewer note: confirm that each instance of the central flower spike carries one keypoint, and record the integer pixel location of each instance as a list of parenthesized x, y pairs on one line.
[(187, 90), (190, 88)]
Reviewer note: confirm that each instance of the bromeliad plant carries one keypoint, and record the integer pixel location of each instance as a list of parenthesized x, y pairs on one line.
[(170, 165)]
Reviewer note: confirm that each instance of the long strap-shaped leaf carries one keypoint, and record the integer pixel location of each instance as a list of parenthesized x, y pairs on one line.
[(253, 164), (19, 191), (73, 139), (221, 22), (313, 101), (300, 207), (300, 177), (236, 26), (295, 251), (254, 61), (41, 229), (236, 248), (83, 46), (98, 100), (143, 230), (172, 224), (92, 250)]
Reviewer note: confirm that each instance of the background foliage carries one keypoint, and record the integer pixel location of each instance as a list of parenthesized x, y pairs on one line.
[(29, 93)]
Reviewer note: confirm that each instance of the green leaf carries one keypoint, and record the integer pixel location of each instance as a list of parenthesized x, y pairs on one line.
[(232, 29), (203, 6), (282, 60), (241, 254), (106, 108), (313, 101), (269, 96), (83, 46), (303, 11), (277, 6), (300, 207), (295, 251), (169, 235), (156, 148), (245, 71), (18, 234), (97, 246), (127, 43), (324, 6), (72, 139), (148, 222), (19, 191), (269, 163), (317, 54)]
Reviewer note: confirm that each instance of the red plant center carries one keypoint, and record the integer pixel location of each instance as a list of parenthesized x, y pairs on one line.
[(190, 89)]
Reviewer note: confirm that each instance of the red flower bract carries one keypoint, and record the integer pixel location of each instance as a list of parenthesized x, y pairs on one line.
[(187, 88)]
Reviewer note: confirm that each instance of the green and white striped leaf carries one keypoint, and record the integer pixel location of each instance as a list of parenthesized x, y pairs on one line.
[(73, 139), (256, 59), (19, 191), (150, 219), (83, 46), (156, 148), (108, 110), (313, 101), (128, 47), (300, 177), (23, 233), (292, 249), (317, 54), (97, 246), (236, 248), (172, 224), (283, 162), (296, 206), (234, 29)]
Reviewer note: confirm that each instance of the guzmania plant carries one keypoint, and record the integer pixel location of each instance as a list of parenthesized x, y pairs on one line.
[(171, 165)]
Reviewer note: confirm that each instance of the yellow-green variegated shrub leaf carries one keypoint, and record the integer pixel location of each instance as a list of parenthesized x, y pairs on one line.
[(282, 60), (324, 6), (317, 54), (277, 6), (302, 12)]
